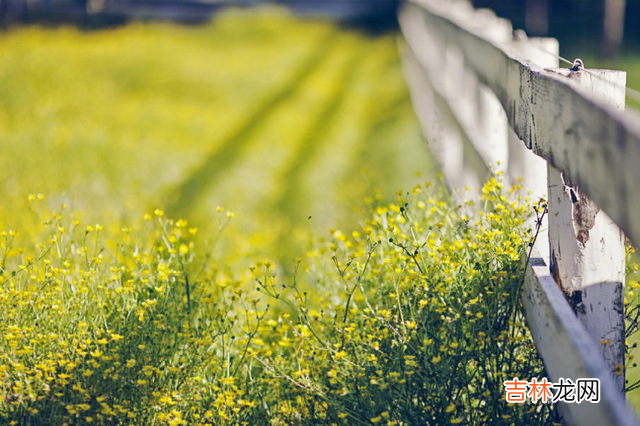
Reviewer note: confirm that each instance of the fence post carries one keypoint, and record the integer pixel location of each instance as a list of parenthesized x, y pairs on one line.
[(587, 255)]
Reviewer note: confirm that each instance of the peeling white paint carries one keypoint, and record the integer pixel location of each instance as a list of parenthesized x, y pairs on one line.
[(469, 77)]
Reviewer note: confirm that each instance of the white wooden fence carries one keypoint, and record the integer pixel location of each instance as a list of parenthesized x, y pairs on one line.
[(488, 98)]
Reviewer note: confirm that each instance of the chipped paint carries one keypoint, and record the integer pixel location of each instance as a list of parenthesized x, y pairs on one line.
[(584, 217)]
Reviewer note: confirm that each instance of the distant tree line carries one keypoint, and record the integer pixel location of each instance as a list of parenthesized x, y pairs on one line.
[(376, 15), (607, 24)]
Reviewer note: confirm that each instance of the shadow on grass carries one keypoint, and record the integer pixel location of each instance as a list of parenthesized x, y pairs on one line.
[(187, 195)]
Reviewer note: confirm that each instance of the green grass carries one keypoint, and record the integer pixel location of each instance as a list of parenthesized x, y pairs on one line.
[(259, 113), (631, 64), (281, 286)]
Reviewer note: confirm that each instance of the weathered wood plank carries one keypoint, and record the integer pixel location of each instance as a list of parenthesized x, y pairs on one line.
[(568, 351), (569, 126), (594, 145), (447, 137), (474, 107), (522, 162)]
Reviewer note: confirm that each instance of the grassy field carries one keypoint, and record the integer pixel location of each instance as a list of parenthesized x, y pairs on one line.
[(240, 224), (275, 119), (265, 136)]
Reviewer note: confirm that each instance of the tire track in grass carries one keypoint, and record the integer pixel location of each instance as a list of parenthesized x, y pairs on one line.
[(376, 160), (309, 189), (286, 204), (382, 147), (336, 157), (251, 187), (387, 145), (292, 176), (188, 193)]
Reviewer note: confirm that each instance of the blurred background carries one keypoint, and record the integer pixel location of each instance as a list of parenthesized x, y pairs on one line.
[(278, 122), (607, 23), (292, 110)]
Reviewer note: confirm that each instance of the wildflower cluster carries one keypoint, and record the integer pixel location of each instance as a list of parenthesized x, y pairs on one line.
[(412, 319), (632, 312), (419, 324), (113, 326)]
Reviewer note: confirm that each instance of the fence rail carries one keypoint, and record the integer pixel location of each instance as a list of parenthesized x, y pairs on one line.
[(488, 99)]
